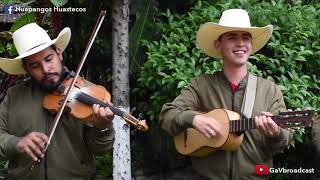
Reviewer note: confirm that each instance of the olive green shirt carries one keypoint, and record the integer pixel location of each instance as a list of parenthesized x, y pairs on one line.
[(208, 92), (70, 154)]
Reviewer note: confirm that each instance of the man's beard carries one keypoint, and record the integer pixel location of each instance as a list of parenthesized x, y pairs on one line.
[(52, 86)]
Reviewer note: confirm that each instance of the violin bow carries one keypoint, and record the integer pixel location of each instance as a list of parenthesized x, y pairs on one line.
[(85, 54)]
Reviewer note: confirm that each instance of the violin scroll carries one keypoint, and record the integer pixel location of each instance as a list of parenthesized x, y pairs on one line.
[(141, 125)]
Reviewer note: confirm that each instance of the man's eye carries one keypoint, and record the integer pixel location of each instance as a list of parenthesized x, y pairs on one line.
[(48, 59), (34, 66)]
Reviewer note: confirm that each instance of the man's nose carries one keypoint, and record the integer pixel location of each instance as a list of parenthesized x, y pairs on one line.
[(240, 42), (46, 67)]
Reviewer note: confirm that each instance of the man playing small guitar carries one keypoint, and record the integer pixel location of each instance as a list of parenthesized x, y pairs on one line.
[(233, 40)]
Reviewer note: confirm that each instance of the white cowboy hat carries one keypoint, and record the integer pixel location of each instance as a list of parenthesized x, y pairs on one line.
[(231, 20), (31, 39)]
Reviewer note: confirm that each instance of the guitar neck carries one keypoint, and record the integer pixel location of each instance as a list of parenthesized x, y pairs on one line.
[(284, 120), (242, 124)]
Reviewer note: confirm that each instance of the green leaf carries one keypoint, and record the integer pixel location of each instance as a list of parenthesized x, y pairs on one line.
[(181, 84), (25, 19), (9, 1), (300, 58), (59, 3), (162, 74)]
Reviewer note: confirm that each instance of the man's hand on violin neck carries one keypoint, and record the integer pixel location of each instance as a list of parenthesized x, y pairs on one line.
[(33, 145), (102, 116)]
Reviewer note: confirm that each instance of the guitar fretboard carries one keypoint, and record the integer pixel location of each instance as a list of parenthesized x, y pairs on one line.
[(284, 120), (242, 124)]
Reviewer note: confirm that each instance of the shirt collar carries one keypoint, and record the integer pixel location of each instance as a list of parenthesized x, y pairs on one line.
[(241, 85)]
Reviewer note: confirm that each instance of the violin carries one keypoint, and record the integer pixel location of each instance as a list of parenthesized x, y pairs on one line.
[(83, 95)]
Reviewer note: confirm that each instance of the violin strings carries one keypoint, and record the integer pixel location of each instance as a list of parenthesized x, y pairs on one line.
[(83, 97)]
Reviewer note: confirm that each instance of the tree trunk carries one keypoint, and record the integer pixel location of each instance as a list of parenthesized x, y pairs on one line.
[(120, 88)]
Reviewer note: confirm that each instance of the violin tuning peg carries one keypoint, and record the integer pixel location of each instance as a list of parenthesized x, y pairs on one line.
[(140, 116), (132, 110)]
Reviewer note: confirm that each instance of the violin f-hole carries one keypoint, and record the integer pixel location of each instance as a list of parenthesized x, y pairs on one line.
[(60, 102)]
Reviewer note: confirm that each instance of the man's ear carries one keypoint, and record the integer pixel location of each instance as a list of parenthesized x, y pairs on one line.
[(217, 44), (59, 53), (24, 65)]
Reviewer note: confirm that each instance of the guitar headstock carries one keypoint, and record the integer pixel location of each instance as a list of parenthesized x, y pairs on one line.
[(294, 118)]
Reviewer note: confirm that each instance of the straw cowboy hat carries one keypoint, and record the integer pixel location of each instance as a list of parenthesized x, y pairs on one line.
[(31, 39), (231, 20)]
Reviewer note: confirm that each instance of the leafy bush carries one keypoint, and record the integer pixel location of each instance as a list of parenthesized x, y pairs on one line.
[(2, 164), (104, 165), (291, 59)]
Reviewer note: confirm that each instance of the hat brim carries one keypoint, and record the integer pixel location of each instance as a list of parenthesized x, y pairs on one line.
[(14, 66), (209, 32)]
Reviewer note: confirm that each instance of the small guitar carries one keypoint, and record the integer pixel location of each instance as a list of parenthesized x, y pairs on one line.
[(193, 143)]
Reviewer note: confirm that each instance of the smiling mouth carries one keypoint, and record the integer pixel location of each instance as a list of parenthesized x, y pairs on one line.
[(239, 52)]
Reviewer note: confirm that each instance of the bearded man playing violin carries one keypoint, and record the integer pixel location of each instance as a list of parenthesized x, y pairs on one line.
[(25, 123)]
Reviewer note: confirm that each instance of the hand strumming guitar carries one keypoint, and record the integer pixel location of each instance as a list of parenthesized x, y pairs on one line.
[(207, 126)]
